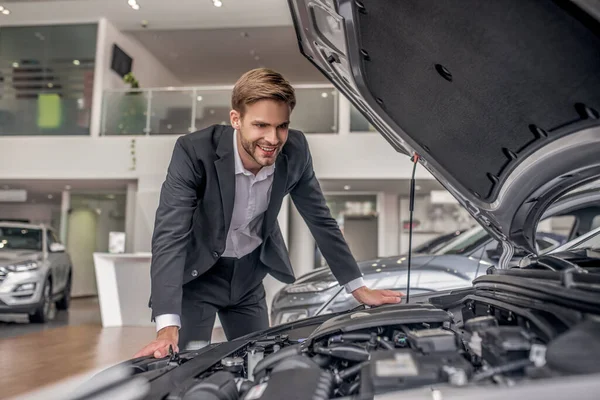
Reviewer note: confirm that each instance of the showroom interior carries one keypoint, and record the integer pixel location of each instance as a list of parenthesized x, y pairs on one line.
[(93, 97)]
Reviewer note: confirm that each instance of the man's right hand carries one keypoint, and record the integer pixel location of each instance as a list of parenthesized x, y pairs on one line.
[(159, 348)]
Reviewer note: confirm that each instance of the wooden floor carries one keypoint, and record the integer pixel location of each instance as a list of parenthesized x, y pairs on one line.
[(42, 355)]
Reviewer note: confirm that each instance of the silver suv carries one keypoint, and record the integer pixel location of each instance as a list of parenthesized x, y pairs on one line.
[(35, 271)]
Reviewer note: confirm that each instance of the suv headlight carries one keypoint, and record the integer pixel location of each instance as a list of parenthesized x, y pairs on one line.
[(310, 287), (23, 266)]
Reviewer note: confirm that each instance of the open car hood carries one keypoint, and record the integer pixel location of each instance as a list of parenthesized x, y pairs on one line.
[(499, 99)]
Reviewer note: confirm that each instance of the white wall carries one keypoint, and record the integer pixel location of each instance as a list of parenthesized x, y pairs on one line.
[(36, 213)]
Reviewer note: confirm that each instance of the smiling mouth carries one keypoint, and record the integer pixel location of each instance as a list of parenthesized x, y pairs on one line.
[(268, 150)]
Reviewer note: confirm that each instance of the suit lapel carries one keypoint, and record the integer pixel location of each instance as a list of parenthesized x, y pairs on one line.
[(225, 166), (277, 193)]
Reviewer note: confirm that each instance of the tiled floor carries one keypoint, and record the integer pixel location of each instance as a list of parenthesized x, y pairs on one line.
[(34, 356)]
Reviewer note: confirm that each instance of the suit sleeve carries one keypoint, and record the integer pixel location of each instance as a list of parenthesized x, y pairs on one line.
[(172, 229), (311, 204)]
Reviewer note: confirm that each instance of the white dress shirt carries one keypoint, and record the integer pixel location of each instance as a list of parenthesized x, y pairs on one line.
[(252, 194)]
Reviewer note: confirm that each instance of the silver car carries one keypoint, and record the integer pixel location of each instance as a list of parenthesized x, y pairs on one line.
[(35, 271)]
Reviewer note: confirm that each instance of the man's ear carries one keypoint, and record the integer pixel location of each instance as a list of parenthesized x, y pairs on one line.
[(235, 119)]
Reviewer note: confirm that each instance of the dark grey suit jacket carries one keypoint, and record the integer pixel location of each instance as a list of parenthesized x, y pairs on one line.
[(196, 206)]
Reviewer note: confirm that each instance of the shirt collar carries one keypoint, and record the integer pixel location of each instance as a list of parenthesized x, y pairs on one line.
[(239, 166)]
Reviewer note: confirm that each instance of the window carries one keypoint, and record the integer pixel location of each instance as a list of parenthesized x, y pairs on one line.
[(595, 222), (465, 243), (17, 238), (557, 228)]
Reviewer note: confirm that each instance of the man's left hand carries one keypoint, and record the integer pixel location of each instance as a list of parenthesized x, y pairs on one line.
[(371, 297)]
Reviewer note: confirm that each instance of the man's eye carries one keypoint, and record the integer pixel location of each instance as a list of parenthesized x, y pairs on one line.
[(284, 126)]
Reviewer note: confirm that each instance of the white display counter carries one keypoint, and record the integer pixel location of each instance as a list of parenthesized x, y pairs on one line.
[(123, 282)]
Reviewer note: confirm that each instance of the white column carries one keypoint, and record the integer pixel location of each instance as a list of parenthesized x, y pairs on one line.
[(344, 108), (130, 217), (102, 63), (388, 224), (301, 244), (65, 205)]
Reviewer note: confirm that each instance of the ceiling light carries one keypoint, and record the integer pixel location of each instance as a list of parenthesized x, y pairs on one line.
[(417, 187), (76, 62), (51, 85), (217, 3), (111, 196), (324, 95), (5, 12), (135, 7), (132, 2), (347, 187), (1, 8), (199, 98), (15, 65), (50, 196)]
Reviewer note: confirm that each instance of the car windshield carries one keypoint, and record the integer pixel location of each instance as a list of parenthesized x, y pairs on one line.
[(591, 241), (464, 243), (17, 238)]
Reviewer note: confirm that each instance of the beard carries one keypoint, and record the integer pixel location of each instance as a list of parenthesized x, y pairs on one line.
[(256, 153)]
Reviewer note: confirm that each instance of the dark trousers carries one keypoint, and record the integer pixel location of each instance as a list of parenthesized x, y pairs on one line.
[(232, 288)]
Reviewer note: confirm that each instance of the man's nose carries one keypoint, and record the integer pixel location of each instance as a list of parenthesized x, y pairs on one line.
[(271, 136)]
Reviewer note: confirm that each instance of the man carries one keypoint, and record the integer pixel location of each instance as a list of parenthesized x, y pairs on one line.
[(216, 234)]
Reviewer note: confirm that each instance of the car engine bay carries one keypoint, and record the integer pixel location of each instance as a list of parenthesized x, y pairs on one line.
[(366, 353)]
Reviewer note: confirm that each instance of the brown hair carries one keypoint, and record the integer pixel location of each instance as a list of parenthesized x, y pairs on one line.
[(260, 84)]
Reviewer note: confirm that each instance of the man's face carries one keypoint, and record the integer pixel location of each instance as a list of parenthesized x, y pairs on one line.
[(262, 132)]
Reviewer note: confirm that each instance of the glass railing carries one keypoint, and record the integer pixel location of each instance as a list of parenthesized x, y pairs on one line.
[(177, 111)]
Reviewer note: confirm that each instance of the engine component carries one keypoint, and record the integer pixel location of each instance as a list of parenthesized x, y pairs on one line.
[(219, 386), (433, 340), (475, 344), (298, 377), (480, 323), (268, 362), (400, 339), (255, 354), (235, 365), (504, 344), (577, 351), (404, 369), (345, 351)]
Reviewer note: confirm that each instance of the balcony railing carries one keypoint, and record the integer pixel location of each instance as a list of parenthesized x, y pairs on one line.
[(177, 111)]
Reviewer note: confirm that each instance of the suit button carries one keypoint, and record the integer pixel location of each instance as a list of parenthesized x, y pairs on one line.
[(215, 254), (194, 273)]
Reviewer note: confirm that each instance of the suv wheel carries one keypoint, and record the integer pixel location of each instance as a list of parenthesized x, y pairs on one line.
[(65, 300), (47, 309)]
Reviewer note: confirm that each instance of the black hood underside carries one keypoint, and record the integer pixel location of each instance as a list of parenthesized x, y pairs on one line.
[(474, 87)]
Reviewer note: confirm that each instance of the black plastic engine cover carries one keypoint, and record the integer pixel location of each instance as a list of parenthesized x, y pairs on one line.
[(219, 386), (404, 369), (504, 344), (294, 384)]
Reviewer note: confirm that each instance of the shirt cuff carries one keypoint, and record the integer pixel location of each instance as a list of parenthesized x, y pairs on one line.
[(354, 284), (164, 320)]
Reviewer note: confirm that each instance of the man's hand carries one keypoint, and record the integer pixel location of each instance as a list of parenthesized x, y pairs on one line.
[(159, 348), (370, 297)]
